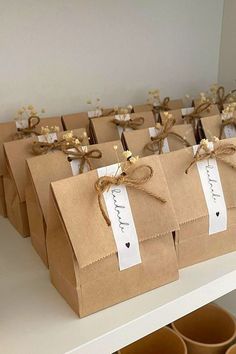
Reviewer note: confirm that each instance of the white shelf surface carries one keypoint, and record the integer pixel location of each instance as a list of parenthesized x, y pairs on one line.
[(35, 319)]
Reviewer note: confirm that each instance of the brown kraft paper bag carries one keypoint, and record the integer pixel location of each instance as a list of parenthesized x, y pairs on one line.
[(7, 133), (212, 111), (81, 120), (16, 152), (44, 169), (193, 242), (82, 253), (215, 127), (104, 130), (136, 141)]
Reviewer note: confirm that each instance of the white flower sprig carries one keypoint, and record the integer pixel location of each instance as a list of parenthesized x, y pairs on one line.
[(27, 112), (154, 97), (48, 130), (123, 166), (71, 139)]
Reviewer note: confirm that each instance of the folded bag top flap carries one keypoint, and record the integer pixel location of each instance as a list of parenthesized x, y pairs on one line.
[(50, 122), (54, 166), (91, 238), (186, 189), (17, 152), (7, 131)]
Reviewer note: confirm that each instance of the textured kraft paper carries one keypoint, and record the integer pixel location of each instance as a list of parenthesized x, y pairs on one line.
[(193, 243), (212, 111), (176, 114), (16, 153), (105, 130), (173, 104), (82, 254), (211, 127), (79, 120), (136, 141), (7, 132), (44, 169)]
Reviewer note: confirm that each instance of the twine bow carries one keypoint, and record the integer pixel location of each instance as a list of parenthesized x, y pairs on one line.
[(225, 123), (195, 115), (163, 106), (157, 142), (40, 148), (134, 123), (127, 179), (222, 98), (83, 156), (219, 153), (33, 121)]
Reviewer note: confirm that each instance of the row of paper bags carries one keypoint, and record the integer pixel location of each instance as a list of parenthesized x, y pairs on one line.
[(129, 224)]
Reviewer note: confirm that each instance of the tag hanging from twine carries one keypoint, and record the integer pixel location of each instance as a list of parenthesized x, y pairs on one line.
[(134, 123), (157, 142), (83, 156), (104, 183), (225, 123), (33, 121), (219, 153), (222, 98)]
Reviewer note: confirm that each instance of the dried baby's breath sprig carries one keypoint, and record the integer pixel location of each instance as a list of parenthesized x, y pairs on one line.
[(48, 130), (26, 112), (215, 139), (154, 97), (123, 110)]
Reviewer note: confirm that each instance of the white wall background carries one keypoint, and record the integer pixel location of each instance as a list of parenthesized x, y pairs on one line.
[(227, 66), (56, 54)]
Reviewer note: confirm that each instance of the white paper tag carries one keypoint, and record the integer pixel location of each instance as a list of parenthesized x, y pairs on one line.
[(22, 123), (230, 131), (95, 113), (75, 164), (153, 133), (48, 138), (122, 222), (213, 192), (186, 111), (124, 117)]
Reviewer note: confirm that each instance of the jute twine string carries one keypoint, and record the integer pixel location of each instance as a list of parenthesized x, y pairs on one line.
[(127, 179), (219, 153), (222, 98), (195, 115), (163, 106), (33, 121), (83, 156), (134, 123), (225, 123), (40, 148), (157, 142)]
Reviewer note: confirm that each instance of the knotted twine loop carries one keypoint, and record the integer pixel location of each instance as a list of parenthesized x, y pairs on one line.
[(157, 142), (134, 123), (40, 148), (221, 98), (33, 121), (219, 153), (225, 123), (83, 156), (195, 115), (163, 106), (127, 179)]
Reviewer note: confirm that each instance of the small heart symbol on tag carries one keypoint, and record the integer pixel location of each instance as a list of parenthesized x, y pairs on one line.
[(217, 213), (127, 245)]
